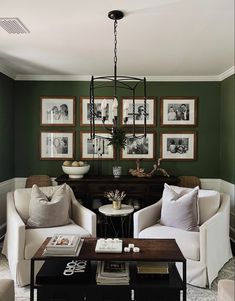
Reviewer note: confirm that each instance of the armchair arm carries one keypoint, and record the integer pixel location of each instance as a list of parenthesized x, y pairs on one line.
[(146, 217), (15, 230), (215, 248), (84, 217), (14, 242)]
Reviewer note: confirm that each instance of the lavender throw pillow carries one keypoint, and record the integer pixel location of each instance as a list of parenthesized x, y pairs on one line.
[(180, 210)]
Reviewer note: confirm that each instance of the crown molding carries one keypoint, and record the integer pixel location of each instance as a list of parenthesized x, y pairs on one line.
[(21, 77), (7, 71), (227, 73), (27, 77)]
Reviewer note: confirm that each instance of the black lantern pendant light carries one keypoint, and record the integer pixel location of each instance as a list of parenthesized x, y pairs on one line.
[(116, 83)]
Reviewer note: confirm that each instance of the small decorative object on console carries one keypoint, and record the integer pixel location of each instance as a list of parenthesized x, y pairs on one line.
[(75, 169), (139, 172), (116, 197), (117, 171), (108, 245)]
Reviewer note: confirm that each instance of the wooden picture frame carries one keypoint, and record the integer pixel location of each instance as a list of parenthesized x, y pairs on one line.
[(58, 111), (99, 111), (141, 148), (57, 145), (127, 111), (178, 111), (95, 149), (178, 146)]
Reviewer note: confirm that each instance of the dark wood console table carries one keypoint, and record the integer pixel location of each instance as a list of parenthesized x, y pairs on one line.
[(146, 190)]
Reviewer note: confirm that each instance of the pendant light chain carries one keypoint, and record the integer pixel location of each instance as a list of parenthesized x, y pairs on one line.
[(118, 83), (115, 58)]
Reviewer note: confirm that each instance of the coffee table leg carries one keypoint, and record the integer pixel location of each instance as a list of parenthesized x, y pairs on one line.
[(32, 280), (184, 282)]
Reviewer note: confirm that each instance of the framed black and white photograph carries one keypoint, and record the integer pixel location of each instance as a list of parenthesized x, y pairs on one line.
[(141, 148), (57, 145), (103, 107), (94, 149), (178, 111), (138, 114), (178, 146), (57, 111)]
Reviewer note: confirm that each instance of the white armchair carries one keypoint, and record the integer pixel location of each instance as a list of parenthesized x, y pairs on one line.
[(21, 242), (206, 251)]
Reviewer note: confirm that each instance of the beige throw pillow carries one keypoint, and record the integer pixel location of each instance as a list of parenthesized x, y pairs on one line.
[(180, 211), (50, 211)]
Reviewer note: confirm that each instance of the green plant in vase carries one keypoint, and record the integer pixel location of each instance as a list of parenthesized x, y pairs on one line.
[(118, 140)]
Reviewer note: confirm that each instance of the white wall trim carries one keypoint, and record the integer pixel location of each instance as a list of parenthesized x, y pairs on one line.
[(207, 78), (227, 73), (7, 186), (187, 78), (7, 71)]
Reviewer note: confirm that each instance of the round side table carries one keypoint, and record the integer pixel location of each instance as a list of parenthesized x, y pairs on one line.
[(125, 219)]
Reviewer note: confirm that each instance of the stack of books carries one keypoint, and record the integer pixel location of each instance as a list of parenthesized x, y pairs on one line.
[(112, 273), (153, 269), (63, 245)]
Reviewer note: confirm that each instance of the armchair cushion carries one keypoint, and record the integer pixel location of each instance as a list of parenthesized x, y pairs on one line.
[(35, 237), (180, 210), (190, 250), (49, 211)]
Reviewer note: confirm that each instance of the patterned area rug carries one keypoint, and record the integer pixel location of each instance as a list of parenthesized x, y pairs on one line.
[(193, 293)]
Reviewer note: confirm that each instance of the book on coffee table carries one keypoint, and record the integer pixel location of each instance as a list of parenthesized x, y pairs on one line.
[(149, 267), (63, 244), (63, 271), (112, 273)]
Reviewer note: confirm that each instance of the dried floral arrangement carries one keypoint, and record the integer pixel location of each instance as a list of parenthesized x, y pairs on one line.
[(115, 195)]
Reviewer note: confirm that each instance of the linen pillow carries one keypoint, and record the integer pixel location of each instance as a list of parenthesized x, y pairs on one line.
[(180, 210), (47, 211)]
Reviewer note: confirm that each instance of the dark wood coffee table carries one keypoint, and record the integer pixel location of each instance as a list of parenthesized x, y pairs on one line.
[(165, 250)]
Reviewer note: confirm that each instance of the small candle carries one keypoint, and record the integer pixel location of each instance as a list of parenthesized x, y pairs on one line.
[(125, 108), (131, 246), (103, 108), (136, 249), (127, 250), (115, 107)]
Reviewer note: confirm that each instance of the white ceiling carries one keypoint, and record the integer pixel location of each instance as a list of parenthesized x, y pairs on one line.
[(156, 38)]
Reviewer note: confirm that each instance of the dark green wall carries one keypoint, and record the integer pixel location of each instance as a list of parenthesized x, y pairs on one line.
[(27, 128), (6, 128), (227, 148)]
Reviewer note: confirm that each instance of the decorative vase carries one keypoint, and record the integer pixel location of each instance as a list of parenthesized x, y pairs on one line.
[(117, 171), (117, 204)]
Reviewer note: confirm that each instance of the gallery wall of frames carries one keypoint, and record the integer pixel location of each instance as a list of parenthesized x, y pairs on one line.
[(60, 127)]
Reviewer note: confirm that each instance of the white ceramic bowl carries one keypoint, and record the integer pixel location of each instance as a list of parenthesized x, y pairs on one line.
[(76, 172)]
